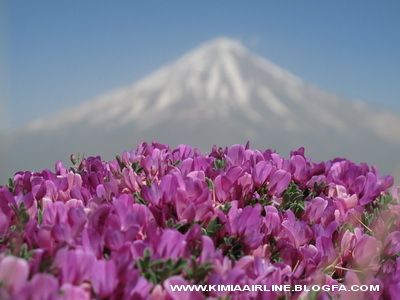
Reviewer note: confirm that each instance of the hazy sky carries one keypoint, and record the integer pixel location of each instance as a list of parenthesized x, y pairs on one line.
[(56, 54)]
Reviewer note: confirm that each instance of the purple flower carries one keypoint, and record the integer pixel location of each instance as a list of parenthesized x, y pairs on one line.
[(223, 187), (392, 243), (72, 292), (4, 224), (41, 286), (120, 229), (279, 181), (104, 277), (92, 242), (14, 273), (172, 244), (302, 169), (140, 288), (297, 232), (261, 173), (151, 194), (75, 265), (315, 210), (366, 252)]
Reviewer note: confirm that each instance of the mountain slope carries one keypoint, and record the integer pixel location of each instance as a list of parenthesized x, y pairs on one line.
[(222, 94)]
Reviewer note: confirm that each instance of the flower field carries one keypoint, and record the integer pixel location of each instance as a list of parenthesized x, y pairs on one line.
[(155, 217)]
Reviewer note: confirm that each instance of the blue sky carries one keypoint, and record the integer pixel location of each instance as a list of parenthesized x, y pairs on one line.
[(56, 54)]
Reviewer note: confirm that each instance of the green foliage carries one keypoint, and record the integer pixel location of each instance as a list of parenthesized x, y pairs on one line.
[(120, 163), (159, 270), (383, 201), (293, 199), (24, 253), (198, 273), (219, 164), (22, 216), (213, 227), (210, 183), (136, 167), (232, 247), (76, 163), (227, 206), (139, 199), (318, 189), (181, 227), (367, 218), (174, 163), (263, 201), (40, 216), (347, 226), (11, 185), (275, 257), (374, 209)]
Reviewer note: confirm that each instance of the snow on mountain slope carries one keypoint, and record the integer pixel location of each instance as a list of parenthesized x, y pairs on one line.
[(217, 93), (217, 76)]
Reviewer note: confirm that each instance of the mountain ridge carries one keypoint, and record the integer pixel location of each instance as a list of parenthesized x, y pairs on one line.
[(218, 93), (219, 49)]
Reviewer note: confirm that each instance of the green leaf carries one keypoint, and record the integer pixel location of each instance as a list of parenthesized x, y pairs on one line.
[(170, 223), (153, 277), (293, 199), (384, 201), (275, 257), (348, 226), (24, 253), (139, 199), (11, 185), (214, 226), (156, 262), (198, 273), (40, 217), (210, 183), (73, 159), (319, 188), (367, 218), (120, 163), (140, 264), (176, 163), (136, 168), (227, 206), (159, 270), (219, 164), (22, 216)]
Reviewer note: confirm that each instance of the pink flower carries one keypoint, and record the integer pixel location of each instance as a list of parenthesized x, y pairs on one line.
[(278, 182), (315, 209), (261, 173), (72, 292), (366, 252), (75, 265), (392, 243), (41, 286), (104, 277), (14, 273), (298, 232), (4, 224)]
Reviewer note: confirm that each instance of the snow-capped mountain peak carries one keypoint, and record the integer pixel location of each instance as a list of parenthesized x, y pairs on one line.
[(210, 75), (219, 93)]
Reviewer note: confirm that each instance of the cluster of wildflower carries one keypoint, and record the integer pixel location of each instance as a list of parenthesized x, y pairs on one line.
[(155, 217)]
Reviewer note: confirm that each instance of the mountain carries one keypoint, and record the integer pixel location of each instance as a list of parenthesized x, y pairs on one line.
[(219, 93)]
